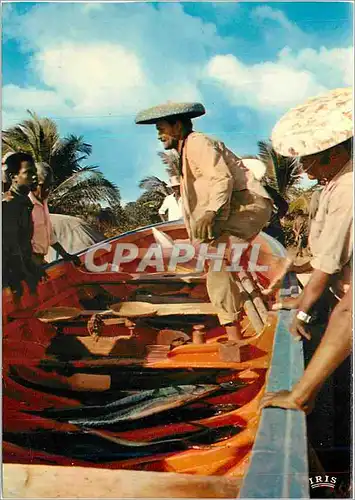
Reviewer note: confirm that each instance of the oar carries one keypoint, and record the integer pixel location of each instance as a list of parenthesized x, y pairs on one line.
[(252, 290)]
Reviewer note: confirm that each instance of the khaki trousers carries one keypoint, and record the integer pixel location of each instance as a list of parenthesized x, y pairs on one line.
[(249, 214)]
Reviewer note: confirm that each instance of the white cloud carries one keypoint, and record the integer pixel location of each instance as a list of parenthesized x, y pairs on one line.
[(95, 78), (98, 66), (266, 85), (285, 82), (18, 99), (333, 66)]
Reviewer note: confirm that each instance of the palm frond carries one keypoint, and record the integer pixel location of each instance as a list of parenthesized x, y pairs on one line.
[(152, 183), (84, 188), (281, 172), (172, 161)]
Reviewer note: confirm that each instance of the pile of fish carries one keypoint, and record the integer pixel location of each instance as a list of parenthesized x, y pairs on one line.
[(98, 436)]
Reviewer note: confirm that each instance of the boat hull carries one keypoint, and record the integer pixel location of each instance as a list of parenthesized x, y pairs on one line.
[(45, 363)]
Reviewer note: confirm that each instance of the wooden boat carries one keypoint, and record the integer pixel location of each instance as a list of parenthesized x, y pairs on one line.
[(87, 339)]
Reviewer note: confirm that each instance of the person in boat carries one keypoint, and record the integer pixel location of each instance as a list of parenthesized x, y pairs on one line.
[(43, 235), (327, 157), (220, 197), (172, 202), (17, 227), (335, 347)]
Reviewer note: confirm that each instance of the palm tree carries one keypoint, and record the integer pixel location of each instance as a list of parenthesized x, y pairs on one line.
[(76, 187), (82, 191), (67, 158), (172, 162), (37, 136), (281, 172), (155, 184)]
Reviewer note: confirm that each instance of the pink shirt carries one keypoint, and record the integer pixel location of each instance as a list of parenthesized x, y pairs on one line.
[(43, 236)]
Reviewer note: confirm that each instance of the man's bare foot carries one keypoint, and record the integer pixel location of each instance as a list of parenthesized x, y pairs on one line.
[(278, 280), (234, 332)]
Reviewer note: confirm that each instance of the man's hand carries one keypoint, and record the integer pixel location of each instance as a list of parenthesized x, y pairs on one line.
[(298, 329), (287, 303), (204, 227), (286, 400)]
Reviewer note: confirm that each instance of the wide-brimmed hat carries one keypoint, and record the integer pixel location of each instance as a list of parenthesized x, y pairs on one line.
[(174, 181), (170, 109), (316, 125), (257, 167)]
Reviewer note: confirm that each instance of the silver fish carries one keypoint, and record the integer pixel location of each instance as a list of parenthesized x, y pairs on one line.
[(164, 399)]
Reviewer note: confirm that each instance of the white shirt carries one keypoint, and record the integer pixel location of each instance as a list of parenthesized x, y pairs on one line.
[(172, 206)]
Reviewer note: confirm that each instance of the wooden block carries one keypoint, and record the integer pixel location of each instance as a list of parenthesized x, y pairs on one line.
[(229, 351)]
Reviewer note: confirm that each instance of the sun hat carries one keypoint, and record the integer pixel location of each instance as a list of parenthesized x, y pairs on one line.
[(257, 167), (318, 124), (170, 109), (174, 181)]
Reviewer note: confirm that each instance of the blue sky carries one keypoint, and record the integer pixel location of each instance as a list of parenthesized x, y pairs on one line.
[(91, 67)]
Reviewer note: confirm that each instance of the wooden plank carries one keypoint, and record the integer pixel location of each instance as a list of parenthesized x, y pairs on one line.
[(184, 309), (42, 481)]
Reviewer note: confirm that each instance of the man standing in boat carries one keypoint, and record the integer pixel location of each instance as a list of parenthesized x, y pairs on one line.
[(220, 197)]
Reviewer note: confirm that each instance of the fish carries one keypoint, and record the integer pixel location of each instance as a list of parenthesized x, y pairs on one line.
[(130, 400), (97, 448), (163, 399), (139, 444), (213, 434)]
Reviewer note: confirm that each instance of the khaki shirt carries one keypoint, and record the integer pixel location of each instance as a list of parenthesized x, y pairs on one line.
[(210, 175), (330, 238)]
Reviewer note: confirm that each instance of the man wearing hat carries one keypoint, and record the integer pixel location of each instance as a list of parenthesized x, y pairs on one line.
[(220, 196), (320, 131), (172, 203)]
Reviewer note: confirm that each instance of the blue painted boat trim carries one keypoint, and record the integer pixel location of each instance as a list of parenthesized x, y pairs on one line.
[(279, 462)]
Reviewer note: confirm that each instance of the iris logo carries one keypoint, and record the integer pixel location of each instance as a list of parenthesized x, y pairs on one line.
[(322, 482)]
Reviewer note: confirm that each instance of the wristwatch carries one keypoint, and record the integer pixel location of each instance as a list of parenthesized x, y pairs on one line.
[(302, 316)]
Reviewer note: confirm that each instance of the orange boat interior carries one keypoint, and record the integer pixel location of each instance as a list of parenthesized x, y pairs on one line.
[(64, 364)]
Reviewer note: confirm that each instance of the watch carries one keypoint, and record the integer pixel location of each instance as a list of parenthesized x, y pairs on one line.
[(302, 316)]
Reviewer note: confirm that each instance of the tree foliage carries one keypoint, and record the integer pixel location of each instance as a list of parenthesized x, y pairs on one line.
[(78, 188), (281, 172)]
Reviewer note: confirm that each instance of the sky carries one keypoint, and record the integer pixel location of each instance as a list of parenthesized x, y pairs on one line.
[(92, 67)]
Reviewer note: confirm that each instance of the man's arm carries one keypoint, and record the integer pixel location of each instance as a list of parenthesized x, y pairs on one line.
[(334, 244), (205, 159), (334, 348)]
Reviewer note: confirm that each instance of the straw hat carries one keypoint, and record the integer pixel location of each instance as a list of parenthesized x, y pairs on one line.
[(318, 124), (174, 181), (257, 167), (170, 109)]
